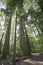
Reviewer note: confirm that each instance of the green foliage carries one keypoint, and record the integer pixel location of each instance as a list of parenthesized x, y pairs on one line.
[(40, 2)]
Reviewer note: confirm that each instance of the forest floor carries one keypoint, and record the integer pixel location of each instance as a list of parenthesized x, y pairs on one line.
[(37, 59)]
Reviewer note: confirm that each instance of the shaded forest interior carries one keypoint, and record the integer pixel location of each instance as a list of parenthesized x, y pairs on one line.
[(21, 32)]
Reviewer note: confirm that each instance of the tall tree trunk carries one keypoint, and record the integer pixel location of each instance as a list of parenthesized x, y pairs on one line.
[(7, 39), (28, 47), (22, 39), (14, 54)]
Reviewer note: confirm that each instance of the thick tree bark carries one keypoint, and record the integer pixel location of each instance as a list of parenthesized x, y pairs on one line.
[(7, 39), (28, 47), (22, 39)]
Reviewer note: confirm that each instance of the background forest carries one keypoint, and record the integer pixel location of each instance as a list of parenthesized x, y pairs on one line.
[(21, 28)]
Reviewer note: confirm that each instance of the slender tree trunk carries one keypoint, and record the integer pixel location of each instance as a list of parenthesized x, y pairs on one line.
[(7, 39), (14, 55), (1, 42), (40, 27), (35, 23)]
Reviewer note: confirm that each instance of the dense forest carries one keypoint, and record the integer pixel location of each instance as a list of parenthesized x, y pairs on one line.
[(21, 31)]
